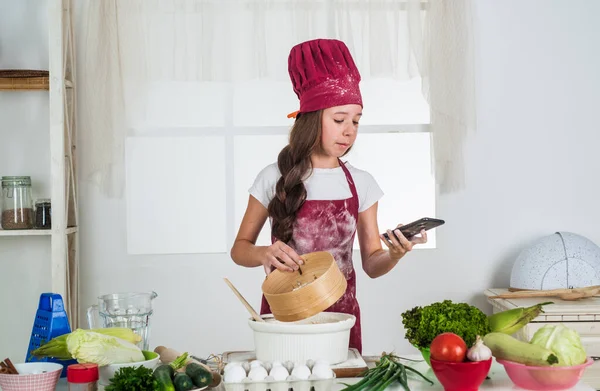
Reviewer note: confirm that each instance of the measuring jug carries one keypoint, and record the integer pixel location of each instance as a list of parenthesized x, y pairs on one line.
[(131, 310)]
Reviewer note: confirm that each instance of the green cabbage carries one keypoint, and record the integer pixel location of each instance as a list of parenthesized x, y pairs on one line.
[(562, 341), (91, 347)]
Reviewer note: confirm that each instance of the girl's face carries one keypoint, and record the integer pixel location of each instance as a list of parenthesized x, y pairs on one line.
[(339, 128)]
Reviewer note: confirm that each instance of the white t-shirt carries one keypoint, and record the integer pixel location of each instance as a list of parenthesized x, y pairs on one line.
[(322, 184)]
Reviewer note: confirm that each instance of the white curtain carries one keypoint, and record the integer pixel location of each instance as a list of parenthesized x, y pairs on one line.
[(125, 45)]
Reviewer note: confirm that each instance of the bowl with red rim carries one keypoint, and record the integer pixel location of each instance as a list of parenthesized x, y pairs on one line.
[(461, 376)]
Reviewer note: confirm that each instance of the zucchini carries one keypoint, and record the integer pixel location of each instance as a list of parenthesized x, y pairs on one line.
[(182, 382), (505, 347), (163, 375), (199, 375)]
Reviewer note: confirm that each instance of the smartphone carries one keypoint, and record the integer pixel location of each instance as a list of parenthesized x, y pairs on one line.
[(411, 229)]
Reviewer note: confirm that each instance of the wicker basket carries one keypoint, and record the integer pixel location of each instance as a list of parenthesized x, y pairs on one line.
[(295, 296)]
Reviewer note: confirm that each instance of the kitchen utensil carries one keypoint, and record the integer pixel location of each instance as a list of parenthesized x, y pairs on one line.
[(50, 321), (168, 355), (33, 376), (563, 294), (461, 376), (324, 336), (563, 260), (294, 297), (544, 378), (132, 310), (107, 372), (254, 314)]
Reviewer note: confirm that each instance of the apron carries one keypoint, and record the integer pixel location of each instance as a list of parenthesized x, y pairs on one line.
[(323, 225)]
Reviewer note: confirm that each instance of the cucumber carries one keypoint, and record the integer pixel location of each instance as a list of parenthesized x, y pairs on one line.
[(199, 375), (163, 375), (182, 382), (505, 347)]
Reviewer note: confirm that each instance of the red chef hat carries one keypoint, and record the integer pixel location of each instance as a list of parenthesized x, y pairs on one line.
[(323, 75)]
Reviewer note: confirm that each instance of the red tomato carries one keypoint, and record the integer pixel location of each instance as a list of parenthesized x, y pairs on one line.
[(448, 347)]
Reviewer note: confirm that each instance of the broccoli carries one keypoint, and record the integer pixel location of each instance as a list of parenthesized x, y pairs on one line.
[(423, 324)]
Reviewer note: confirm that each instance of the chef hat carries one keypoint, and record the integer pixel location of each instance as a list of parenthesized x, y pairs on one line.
[(323, 75)]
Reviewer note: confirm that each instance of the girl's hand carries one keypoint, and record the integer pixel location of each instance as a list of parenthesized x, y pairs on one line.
[(281, 256), (398, 248)]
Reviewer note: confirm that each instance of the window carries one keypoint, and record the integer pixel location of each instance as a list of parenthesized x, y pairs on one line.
[(204, 144)]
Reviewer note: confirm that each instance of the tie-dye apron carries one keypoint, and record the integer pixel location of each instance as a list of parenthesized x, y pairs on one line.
[(323, 225)]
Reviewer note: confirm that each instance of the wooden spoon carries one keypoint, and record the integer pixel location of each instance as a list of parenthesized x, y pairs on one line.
[(563, 294), (254, 314)]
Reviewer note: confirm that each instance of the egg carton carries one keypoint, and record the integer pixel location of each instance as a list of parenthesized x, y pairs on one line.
[(258, 376)]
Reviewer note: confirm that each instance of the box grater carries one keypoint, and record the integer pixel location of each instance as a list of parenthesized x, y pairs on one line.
[(50, 321)]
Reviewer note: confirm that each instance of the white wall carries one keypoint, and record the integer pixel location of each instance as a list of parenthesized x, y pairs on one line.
[(531, 171)]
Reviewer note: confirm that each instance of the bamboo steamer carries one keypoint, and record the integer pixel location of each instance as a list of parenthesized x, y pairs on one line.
[(295, 296)]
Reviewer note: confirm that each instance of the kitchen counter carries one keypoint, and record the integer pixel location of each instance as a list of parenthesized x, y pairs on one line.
[(499, 381)]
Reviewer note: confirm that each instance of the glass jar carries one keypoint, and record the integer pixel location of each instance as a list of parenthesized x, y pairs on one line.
[(43, 214), (17, 207)]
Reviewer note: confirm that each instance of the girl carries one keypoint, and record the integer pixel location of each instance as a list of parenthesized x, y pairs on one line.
[(315, 201)]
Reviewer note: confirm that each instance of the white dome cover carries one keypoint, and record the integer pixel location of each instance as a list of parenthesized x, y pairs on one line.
[(560, 260)]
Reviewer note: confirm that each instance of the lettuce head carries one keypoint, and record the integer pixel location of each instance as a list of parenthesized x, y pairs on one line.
[(564, 342)]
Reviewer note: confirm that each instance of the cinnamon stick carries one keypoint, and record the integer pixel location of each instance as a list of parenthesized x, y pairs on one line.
[(11, 366)]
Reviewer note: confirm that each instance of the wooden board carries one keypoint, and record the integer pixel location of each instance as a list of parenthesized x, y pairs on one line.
[(354, 366)]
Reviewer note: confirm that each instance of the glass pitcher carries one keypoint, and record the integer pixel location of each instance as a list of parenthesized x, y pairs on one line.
[(131, 310)]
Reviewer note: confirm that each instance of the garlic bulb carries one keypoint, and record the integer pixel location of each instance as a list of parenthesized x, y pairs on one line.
[(479, 352)]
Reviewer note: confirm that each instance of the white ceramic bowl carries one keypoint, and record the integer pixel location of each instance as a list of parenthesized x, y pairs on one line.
[(33, 376), (108, 371), (325, 336)]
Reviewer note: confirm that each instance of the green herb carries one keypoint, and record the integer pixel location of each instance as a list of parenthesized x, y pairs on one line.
[(423, 324), (387, 371), (133, 379)]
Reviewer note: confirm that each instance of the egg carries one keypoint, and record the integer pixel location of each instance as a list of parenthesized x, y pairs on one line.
[(234, 374), (276, 364), (279, 373), (321, 362), (257, 373), (231, 365), (301, 372), (256, 363), (322, 371)]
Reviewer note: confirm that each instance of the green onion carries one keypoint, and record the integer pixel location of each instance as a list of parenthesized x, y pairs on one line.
[(387, 371)]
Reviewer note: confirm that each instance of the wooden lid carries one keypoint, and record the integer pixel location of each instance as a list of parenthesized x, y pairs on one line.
[(295, 296)]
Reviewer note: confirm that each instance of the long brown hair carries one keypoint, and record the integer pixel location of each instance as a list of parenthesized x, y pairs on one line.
[(294, 164)]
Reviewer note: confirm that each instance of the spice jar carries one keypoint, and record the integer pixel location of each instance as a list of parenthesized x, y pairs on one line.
[(17, 208), (83, 377), (43, 214)]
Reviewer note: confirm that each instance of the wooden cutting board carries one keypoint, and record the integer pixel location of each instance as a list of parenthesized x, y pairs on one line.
[(354, 366)]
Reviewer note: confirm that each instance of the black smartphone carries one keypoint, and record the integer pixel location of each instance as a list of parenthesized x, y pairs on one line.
[(411, 229)]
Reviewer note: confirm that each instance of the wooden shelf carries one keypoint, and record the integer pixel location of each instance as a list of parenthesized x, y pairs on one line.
[(24, 83), (28, 84), (25, 232), (32, 232)]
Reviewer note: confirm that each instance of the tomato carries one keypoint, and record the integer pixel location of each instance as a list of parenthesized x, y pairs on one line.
[(448, 347)]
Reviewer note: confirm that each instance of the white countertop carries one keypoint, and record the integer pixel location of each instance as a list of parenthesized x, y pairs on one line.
[(499, 382)]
